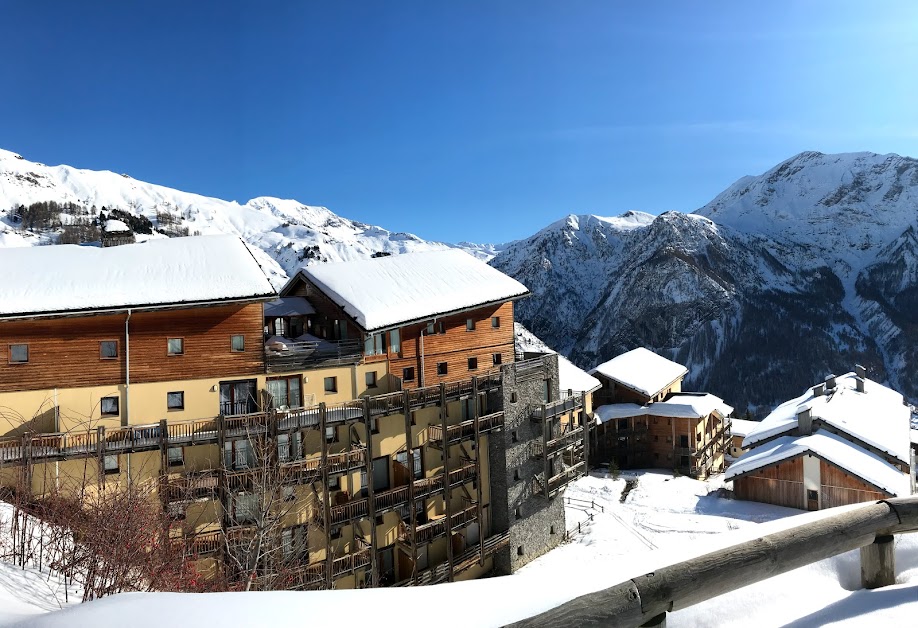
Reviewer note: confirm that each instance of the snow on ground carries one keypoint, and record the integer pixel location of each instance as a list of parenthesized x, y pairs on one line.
[(664, 519)]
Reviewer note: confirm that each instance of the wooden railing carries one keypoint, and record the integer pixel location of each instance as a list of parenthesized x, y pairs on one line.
[(427, 532), (557, 408), (646, 599), (566, 477), (464, 430), (568, 436), (190, 487), (469, 558)]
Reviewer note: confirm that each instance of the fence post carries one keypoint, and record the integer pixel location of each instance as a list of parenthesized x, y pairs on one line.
[(878, 563)]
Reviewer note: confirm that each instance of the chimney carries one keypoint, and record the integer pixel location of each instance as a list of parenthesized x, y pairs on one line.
[(819, 390), (805, 422), (830, 382), (859, 383), (860, 371)]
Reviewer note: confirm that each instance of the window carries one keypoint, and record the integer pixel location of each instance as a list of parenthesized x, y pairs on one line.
[(435, 328), (812, 495), (430, 329), (513, 397), (289, 493), (374, 425), (395, 341), (175, 346), (331, 384), (516, 475), (469, 324), (285, 392), (19, 354), (244, 507), (518, 513), (551, 530), (375, 344), (108, 349), (237, 343), (519, 550), (495, 322), (408, 374), (495, 359), (514, 436), (289, 447), (293, 541), (546, 390), (334, 483), (473, 364), (441, 368), (238, 454), (175, 400), (110, 464), (175, 456), (330, 433), (109, 406), (417, 466), (371, 379)]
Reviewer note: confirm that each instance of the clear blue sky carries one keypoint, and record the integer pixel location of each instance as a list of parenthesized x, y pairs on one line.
[(481, 121)]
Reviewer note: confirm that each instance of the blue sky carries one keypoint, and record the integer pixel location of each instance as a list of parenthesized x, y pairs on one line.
[(479, 121)]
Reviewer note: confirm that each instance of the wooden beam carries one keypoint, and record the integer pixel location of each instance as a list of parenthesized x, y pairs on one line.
[(406, 409), (326, 501), (878, 563), (446, 490), (478, 479), (371, 496)]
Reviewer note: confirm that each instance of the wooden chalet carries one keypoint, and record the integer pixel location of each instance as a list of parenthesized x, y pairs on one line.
[(844, 441)]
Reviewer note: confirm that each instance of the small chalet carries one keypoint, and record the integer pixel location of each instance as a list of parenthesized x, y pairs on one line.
[(842, 442), (430, 317), (739, 429), (116, 233), (644, 420)]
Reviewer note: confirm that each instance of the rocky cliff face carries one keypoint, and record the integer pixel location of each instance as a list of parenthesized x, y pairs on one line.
[(780, 280)]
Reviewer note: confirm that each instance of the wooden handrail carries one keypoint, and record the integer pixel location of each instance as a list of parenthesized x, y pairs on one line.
[(649, 597)]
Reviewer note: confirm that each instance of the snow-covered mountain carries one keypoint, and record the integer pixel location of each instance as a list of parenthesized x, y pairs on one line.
[(284, 233), (780, 280)]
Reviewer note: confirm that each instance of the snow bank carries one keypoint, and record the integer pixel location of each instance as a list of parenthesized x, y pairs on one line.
[(156, 272), (642, 370), (429, 284)]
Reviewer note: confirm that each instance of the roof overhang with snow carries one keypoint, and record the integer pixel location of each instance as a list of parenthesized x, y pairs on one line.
[(393, 291), (642, 371), (678, 406), (70, 280)]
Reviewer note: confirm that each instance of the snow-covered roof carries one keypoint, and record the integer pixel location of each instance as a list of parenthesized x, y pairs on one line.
[(678, 406), (914, 434), (389, 291), (877, 416), (613, 411), (288, 306), (570, 376), (46, 280), (114, 226), (831, 448), (742, 427), (642, 370)]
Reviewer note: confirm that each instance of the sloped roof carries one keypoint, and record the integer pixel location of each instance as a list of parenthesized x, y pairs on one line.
[(877, 416), (742, 427), (385, 292), (570, 376), (62, 279), (830, 447), (678, 406), (641, 370)]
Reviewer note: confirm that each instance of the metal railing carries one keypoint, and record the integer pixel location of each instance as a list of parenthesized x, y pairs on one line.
[(301, 355)]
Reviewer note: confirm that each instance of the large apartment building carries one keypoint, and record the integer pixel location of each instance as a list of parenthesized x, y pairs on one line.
[(370, 422)]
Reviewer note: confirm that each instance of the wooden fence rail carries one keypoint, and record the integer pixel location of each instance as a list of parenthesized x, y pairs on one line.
[(646, 599)]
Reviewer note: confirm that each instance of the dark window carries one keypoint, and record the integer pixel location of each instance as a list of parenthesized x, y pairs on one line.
[(371, 379), (175, 346), (519, 550), (683, 440), (285, 392), (496, 359), (469, 324), (516, 475), (684, 461), (513, 397), (441, 368), (109, 406), (19, 354), (473, 364), (518, 513), (514, 436), (175, 400), (812, 495), (237, 343), (108, 349), (331, 384), (408, 374), (495, 322)]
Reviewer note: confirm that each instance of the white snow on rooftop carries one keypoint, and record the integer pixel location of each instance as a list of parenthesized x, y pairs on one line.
[(876, 416), (114, 226), (64, 278), (742, 427), (613, 411), (832, 448), (678, 406), (570, 376), (387, 291), (642, 370)]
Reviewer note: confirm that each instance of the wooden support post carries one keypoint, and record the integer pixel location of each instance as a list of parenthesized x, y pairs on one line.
[(326, 504), (878, 563), (446, 490), (371, 496), (221, 477), (100, 452), (406, 409), (164, 446), (545, 465), (659, 621), (478, 479)]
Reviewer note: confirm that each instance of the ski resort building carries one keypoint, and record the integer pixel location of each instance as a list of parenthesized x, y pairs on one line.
[(642, 418), (739, 430), (843, 441), (367, 426)]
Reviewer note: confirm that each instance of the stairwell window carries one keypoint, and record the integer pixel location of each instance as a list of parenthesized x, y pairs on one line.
[(175, 400), (237, 343), (108, 350), (109, 406), (19, 354), (175, 346)]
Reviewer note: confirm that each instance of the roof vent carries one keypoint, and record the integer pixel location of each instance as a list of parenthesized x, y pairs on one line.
[(860, 371), (859, 383), (805, 422), (819, 390), (830, 382)]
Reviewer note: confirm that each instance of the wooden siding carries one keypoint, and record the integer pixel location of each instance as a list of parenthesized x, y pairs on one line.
[(327, 311), (781, 484), (840, 489), (64, 352)]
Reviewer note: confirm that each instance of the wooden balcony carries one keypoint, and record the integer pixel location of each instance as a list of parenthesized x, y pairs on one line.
[(191, 487), (467, 559), (306, 469), (559, 481), (557, 408), (465, 430), (203, 544), (567, 437), (436, 528)]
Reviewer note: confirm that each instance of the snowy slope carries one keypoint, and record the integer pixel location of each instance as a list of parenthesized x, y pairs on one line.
[(285, 233)]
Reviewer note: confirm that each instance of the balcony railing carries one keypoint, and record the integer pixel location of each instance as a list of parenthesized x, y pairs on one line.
[(469, 558), (303, 355), (190, 487), (557, 408), (567, 437), (464, 430), (427, 532), (559, 481)]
